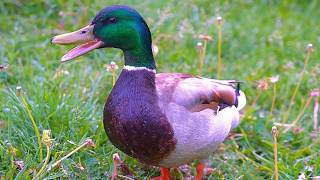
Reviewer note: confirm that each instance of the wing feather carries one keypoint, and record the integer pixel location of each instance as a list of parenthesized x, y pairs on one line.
[(196, 93)]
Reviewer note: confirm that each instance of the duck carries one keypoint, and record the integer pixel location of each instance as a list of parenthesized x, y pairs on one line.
[(161, 119)]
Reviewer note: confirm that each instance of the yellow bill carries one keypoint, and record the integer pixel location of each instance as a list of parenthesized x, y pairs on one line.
[(83, 36)]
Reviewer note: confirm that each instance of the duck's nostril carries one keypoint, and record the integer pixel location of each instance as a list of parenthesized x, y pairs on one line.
[(83, 32)]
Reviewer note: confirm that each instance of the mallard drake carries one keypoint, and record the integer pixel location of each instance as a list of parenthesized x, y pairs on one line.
[(162, 119)]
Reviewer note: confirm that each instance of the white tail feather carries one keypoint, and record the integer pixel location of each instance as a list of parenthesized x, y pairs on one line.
[(242, 100)]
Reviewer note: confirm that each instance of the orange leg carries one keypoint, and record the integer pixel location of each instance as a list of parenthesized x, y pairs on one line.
[(199, 168), (165, 174)]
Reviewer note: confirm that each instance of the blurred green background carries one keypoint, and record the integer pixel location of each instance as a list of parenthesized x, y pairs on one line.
[(260, 39)]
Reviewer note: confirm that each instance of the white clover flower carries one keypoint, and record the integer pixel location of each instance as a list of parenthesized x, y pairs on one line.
[(309, 48), (219, 19), (155, 49), (111, 67), (274, 79), (199, 45)]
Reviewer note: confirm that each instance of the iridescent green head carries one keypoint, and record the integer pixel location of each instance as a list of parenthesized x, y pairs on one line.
[(113, 27)]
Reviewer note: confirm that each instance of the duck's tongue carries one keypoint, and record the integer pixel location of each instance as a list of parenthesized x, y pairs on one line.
[(81, 49), (84, 36)]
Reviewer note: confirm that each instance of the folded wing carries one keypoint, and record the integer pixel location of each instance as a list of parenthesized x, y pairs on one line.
[(197, 94)]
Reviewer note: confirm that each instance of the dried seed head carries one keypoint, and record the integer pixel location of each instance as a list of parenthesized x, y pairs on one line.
[(19, 164), (309, 48), (89, 143), (79, 166), (219, 20), (205, 37), (18, 90), (112, 67), (274, 79), (263, 84), (274, 131), (60, 72), (116, 159), (297, 130), (46, 137)]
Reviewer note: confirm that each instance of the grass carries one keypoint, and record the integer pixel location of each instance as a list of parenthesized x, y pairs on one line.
[(260, 40)]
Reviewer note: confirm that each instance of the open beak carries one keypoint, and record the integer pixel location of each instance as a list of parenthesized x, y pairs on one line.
[(83, 36)]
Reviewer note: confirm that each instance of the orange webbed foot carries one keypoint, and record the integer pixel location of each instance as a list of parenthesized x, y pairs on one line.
[(165, 174), (199, 169)]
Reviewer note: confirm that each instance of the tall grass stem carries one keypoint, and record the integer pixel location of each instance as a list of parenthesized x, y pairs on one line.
[(200, 50), (113, 78), (275, 151), (306, 59), (274, 96), (85, 143), (299, 115), (45, 163), (33, 124)]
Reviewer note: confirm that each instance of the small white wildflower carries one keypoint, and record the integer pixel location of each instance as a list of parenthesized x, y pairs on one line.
[(219, 19), (61, 13), (112, 67), (18, 90), (309, 48), (199, 45), (155, 49), (274, 79), (302, 176)]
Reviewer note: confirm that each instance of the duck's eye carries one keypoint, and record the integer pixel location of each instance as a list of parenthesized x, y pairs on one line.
[(112, 20)]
